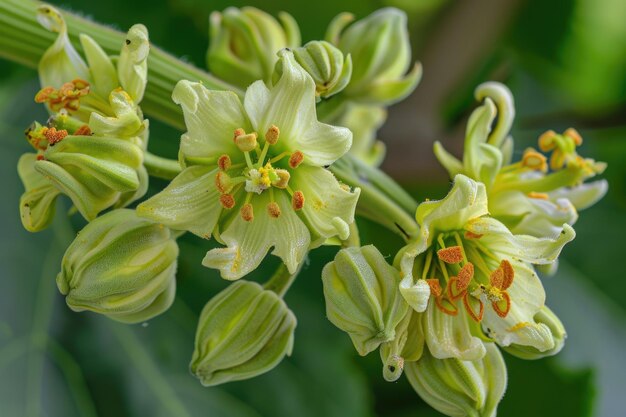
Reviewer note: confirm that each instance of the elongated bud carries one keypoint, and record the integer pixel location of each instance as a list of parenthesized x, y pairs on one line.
[(459, 388), (547, 317), (362, 297), (244, 43), (132, 67), (325, 64), (407, 346), (243, 331), (381, 56), (121, 266)]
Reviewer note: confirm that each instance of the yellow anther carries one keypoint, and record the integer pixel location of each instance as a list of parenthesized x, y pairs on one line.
[(451, 255), (246, 143), (283, 178), (223, 182), (224, 163), (297, 200), (247, 212), (539, 196), (238, 132), (546, 141), (296, 159), (272, 135), (273, 209), (227, 201), (494, 294), (573, 133), (534, 160)]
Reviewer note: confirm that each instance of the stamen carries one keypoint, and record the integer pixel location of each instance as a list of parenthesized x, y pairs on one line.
[(451, 255), (283, 178), (446, 306), (508, 274), (224, 162), (84, 130), (496, 279), (472, 235), (227, 201), (465, 276), (273, 209), (238, 132), (546, 141), (246, 143), (539, 196), (272, 135), (41, 157), (297, 200), (503, 306), (573, 133), (296, 159), (247, 212), (53, 135), (534, 160), (476, 316), (435, 287), (223, 182)]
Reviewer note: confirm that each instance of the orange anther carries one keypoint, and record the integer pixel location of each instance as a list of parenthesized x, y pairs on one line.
[(238, 132), (84, 130), (477, 316), (446, 306), (53, 135), (573, 133), (435, 287), (296, 159), (546, 141), (272, 135), (503, 306), (224, 162), (508, 274), (273, 209), (247, 212), (465, 276), (227, 201), (496, 279), (451, 255), (472, 235), (222, 182), (534, 160), (297, 200)]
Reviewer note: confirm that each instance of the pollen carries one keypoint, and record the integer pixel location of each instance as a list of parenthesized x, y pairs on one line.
[(246, 143), (272, 135), (297, 200), (224, 163), (451, 255), (53, 135), (247, 212), (538, 196), (465, 276), (546, 141), (238, 132), (573, 133), (84, 130), (435, 287), (273, 209), (472, 235), (508, 272), (296, 159), (67, 97), (283, 178), (227, 201), (223, 182)]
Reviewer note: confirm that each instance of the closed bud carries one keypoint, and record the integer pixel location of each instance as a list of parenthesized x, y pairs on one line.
[(381, 56), (120, 266), (407, 346), (548, 318), (459, 388), (243, 331), (325, 64), (244, 43), (362, 297)]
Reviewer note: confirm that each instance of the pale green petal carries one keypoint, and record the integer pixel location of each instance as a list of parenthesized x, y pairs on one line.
[(60, 63), (132, 66), (190, 202), (125, 124), (392, 91), (449, 161), (481, 161), (248, 242), (503, 98), (524, 247), (584, 195), (132, 196), (449, 336), (102, 70), (211, 118), (38, 203), (323, 144), (519, 326), (328, 208)]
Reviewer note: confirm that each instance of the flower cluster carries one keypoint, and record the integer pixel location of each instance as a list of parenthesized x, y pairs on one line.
[(284, 162)]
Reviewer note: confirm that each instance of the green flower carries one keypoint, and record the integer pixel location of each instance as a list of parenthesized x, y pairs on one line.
[(92, 146), (530, 196), (477, 272), (244, 43), (364, 121), (407, 346), (120, 266), (255, 173), (460, 388), (244, 331)]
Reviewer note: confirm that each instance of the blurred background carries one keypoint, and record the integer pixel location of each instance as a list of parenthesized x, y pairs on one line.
[(564, 60)]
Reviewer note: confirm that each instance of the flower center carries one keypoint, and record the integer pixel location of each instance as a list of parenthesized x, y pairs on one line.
[(67, 97), (258, 174)]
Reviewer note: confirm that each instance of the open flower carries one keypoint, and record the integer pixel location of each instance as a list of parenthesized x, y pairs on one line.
[(91, 148), (255, 173), (535, 195), (477, 272)]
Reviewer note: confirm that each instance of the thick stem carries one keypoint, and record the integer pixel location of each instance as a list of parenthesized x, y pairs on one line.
[(161, 167), (24, 40)]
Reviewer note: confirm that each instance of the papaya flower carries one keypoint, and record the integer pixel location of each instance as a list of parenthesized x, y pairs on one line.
[(255, 174), (478, 273)]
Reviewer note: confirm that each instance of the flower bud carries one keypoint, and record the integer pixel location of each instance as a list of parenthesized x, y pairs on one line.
[(121, 266), (407, 346), (244, 43), (243, 331), (459, 388), (362, 297), (548, 318), (381, 55), (325, 64)]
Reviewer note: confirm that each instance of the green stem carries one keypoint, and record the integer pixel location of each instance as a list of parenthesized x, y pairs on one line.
[(354, 239), (160, 167), (24, 40), (282, 280)]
